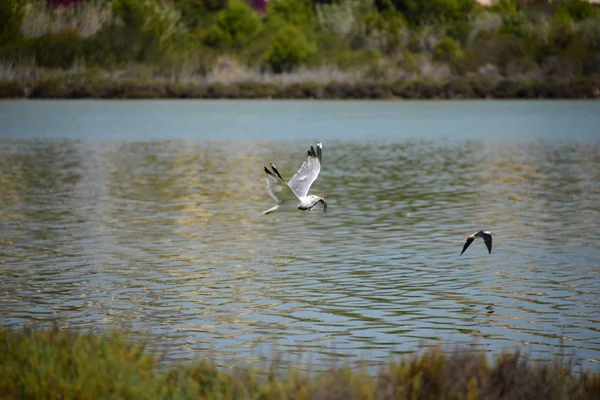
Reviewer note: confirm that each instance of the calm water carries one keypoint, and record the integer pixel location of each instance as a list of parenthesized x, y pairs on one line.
[(147, 215)]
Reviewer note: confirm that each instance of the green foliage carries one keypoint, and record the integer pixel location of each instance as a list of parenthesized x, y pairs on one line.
[(577, 10), (506, 6), (184, 37), (235, 26), (60, 49), (11, 19), (296, 12), (387, 29), (19, 50), (11, 89), (446, 49), (214, 5), (149, 27), (61, 365), (192, 12), (289, 49), (517, 24), (418, 11)]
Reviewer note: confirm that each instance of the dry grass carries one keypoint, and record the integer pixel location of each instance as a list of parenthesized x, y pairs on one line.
[(87, 18)]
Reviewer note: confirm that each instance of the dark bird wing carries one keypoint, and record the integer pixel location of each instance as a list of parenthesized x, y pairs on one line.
[(488, 242), (467, 244)]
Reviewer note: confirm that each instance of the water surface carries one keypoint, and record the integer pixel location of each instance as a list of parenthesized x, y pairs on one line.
[(147, 215)]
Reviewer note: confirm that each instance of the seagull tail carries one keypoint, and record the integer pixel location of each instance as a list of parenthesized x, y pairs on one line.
[(271, 210)]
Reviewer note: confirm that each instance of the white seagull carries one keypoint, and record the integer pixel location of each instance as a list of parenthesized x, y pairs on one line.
[(485, 235), (293, 194)]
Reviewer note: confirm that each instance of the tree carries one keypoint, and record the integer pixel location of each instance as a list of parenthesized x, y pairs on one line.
[(420, 11), (289, 49), (446, 49), (148, 26), (578, 10), (235, 26)]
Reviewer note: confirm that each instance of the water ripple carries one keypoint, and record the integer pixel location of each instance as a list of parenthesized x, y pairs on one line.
[(166, 237)]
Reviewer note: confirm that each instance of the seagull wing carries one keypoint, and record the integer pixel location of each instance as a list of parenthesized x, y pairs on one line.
[(279, 190), (308, 172), (488, 242), (467, 244)]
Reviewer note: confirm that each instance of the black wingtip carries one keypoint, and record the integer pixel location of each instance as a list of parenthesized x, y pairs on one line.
[(274, 168), (466, 246)]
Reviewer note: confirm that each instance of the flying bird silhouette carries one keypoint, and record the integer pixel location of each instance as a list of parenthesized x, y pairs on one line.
[(485, 235)]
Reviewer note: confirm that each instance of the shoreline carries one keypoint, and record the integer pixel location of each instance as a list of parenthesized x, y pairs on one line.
[(416, 89)]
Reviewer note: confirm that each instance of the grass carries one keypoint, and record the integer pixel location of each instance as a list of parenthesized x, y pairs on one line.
[(52, 364)]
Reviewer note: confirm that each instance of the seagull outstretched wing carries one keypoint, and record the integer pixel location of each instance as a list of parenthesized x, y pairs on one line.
[(279, 190), (308, 172)]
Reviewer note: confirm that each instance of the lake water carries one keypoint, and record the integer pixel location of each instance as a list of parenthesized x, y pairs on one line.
[(147, 216)]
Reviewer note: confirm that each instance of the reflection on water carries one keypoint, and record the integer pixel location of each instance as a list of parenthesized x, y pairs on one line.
[(167, 237)]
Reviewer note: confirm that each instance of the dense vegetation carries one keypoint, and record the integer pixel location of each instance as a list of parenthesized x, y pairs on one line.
[(307, 42), (58, 364)]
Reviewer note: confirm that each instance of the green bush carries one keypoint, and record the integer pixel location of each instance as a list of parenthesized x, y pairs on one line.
[(419, 11), (62, 365), (193, 12), (296, 12), (11, 89), (446, 49), (20, 50), (60, 49), (235, 26), (11, 20), (289, 49), (148, 29), (578, 10), (387, 28)]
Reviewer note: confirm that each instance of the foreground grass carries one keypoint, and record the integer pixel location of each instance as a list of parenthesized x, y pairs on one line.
[(59, 364)]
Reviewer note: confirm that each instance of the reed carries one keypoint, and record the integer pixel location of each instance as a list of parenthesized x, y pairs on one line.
[(77, 365)]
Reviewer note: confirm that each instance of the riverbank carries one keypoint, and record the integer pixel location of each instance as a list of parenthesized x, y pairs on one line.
[(62, 364), (73, 87)]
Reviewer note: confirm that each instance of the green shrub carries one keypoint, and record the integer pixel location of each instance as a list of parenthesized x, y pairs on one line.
[(296, 12), (387, 29), (50, 88), (446, 49), (60, 49), (65, 365), (578, 10), (11, 19), (289, 49), (235, 26), (21, 50), (193, 12), (149, 27), (11, 89), (419, 11)]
